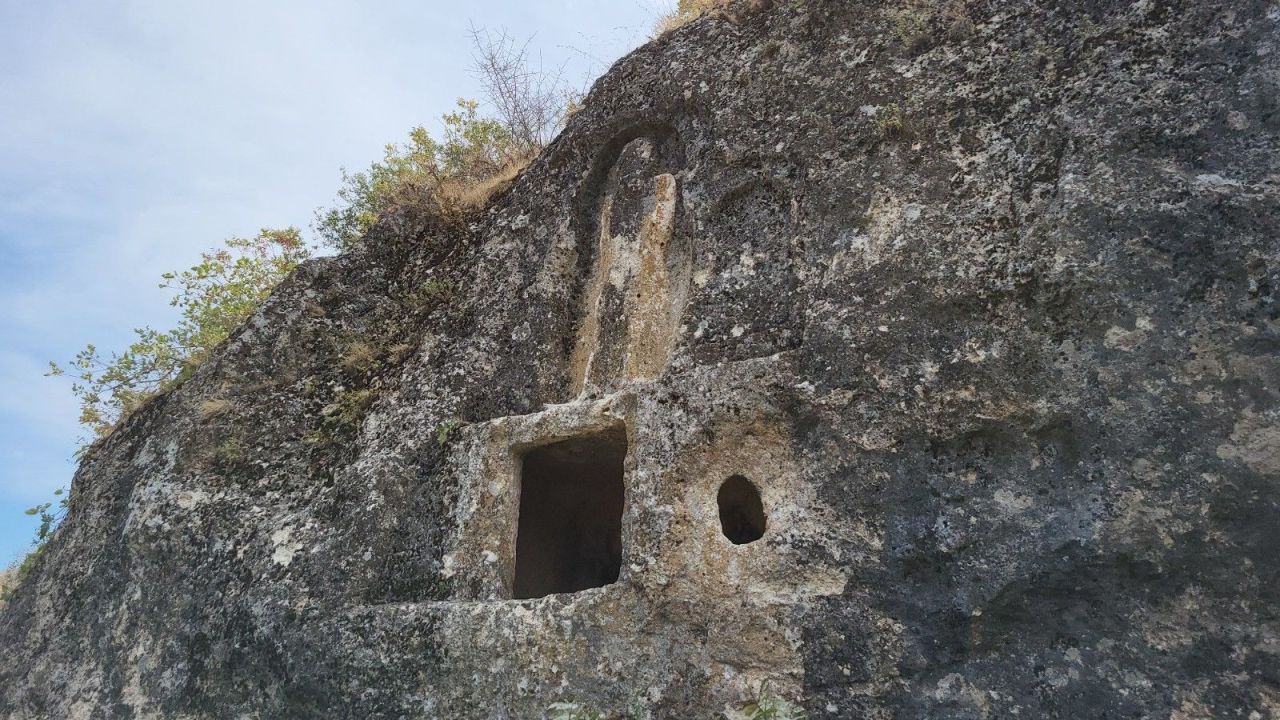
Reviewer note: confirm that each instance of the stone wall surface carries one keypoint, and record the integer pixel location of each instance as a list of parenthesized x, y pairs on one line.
[(980, 295)]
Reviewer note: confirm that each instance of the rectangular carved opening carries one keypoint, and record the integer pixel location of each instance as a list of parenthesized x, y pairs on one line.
[(569, 531)]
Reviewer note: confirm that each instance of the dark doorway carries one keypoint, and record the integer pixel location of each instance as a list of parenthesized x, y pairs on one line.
[(741, 511), (569, 535)]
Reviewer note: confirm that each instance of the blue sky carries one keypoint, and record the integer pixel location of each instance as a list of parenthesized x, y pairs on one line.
[(136, 133)]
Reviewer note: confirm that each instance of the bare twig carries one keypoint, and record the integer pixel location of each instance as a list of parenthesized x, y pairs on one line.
[(531, 101)]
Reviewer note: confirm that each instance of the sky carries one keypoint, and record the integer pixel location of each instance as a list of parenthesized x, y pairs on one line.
[(136, 133)]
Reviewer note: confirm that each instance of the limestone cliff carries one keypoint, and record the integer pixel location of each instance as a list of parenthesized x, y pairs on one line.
[(920, 359)]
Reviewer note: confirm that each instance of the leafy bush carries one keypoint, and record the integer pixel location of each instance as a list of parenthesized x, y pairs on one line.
[(213, 298), (476, 156), (474, 151)]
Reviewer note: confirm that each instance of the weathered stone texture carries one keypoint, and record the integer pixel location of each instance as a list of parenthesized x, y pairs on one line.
[(981, 296)]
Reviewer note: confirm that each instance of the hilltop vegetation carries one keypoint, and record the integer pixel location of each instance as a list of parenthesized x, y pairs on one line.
[(477, 154), (684, 12)]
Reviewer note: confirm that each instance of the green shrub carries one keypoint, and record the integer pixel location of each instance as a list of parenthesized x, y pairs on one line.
[(476, 156), (446, 174), (50, 513), (892, 123), (213, 297)]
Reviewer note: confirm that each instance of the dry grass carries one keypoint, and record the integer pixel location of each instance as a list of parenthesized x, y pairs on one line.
[(360, 357), (685, 12), (912, 23), (214, 407), (452, 200), (399, 351), (472, 195)]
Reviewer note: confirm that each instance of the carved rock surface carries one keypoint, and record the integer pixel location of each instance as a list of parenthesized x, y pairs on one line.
[(979, 296)]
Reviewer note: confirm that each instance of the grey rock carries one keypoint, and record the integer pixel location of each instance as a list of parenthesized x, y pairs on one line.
[(980, 296)]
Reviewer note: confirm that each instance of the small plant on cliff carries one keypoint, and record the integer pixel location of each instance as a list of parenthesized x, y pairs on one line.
[(909, 23), (49, 520), (766, 706), (892, 123), (445, 429), (434, 291), (50, 514), (213, 297), (572, 711), (229, 453), (360, 357), (912, 22), (348, 409)]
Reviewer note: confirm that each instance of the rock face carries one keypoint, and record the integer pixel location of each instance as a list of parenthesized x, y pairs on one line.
[(976, 300)]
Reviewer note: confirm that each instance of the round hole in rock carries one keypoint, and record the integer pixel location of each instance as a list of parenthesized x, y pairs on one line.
[(741, 511)]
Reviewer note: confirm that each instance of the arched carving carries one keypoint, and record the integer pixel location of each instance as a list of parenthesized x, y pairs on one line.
[(638, 283)]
